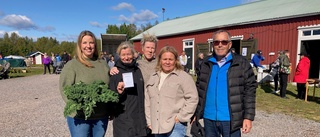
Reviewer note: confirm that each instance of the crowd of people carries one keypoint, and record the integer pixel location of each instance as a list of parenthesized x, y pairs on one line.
[(157, 95), (281, 68), (55, 61)]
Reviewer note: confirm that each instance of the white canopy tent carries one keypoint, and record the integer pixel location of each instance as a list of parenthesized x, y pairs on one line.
[(14, 57)]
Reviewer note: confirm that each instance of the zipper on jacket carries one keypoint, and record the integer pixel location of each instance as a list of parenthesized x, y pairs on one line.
[(216, 92)]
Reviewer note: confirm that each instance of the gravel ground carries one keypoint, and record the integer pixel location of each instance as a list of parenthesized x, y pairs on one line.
[(32, 107)]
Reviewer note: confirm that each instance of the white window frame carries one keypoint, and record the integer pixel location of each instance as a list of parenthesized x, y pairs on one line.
[(190, 46)]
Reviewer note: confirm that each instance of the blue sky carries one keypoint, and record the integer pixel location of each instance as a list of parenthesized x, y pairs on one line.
[(65, 19)]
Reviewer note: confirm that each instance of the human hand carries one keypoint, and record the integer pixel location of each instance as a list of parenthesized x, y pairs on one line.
[(149, 126), (176, 119), (120, 87), (246, 126), (114, 71)]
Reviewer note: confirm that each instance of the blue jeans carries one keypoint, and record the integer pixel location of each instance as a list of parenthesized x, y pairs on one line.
[(179, 130), (87, 128), (218, 128)]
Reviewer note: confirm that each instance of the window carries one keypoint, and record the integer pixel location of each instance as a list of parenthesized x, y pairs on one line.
[(307, 33), (188, 43), (316, 32)]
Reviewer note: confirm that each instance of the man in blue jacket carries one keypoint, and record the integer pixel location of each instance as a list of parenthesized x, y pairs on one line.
[(256, 59), (227, 91)]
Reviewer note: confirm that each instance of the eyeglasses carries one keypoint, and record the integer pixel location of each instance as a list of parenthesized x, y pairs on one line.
[(223, 42)]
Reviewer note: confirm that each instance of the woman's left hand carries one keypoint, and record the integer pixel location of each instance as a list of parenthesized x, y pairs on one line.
[(120, 87), (176, 119)]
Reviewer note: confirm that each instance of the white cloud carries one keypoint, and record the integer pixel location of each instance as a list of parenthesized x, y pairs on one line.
[(124, 5), (46, 29), (18, 22), (144, 15), (21, 22), (2, 32), (97, 24), (248, 1)]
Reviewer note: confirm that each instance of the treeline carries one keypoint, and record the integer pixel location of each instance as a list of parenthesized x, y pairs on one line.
[(16, 45)]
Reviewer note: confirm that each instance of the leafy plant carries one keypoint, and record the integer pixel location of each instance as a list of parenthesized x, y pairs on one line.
[(84, 97)]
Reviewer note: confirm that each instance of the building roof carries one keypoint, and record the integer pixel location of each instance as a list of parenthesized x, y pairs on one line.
[(113, 37), (255, 12), (34, 53)]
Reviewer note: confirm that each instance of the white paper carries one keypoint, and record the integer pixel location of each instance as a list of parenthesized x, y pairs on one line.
[(244, 51), (128, 80)]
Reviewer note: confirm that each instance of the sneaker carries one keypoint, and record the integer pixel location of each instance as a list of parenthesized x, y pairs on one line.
[(274, 92)]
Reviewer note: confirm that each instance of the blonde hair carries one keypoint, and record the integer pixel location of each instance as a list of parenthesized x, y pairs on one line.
[(125, 45), (80, 57), (176, 56), (147, 37)]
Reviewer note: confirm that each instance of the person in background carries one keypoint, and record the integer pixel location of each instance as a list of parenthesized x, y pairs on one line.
[(233, 50), (284, 71), (198, 63), (302, 74), (53, 62), (129, 120), (227, 91), (65, 57), (170, 96), (275, 72), (183, 58), (111, 62), (59, 63), (105, 56), (256, 59), (46, 63), (87, 68), (70, 57), (1, 57)]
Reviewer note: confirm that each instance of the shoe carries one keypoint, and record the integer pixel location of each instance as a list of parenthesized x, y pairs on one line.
[(285, 97), (278, 91), (273, 92)]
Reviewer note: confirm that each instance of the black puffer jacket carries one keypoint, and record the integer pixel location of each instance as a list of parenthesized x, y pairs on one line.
[(241, 90)]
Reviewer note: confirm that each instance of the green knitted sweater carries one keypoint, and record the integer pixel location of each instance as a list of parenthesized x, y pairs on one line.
[(74, 72)]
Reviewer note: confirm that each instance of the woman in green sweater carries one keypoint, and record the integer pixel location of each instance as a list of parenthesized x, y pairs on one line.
[(87, 67)]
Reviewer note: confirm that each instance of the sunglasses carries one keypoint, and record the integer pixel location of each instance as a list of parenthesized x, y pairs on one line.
[(223, 42)]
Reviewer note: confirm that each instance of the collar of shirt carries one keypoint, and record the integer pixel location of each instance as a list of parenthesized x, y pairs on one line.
[(222, 61)]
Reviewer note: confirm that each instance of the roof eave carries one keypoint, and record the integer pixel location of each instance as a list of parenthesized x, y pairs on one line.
[(236, 24)]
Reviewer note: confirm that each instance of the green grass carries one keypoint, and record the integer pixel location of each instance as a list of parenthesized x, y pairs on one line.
[(272, 103), (32, 70)]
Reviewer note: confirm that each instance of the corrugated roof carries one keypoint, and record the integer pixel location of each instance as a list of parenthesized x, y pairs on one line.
[(260, 11)]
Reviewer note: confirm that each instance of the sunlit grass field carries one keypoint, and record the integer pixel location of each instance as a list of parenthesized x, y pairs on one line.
[(272, 103)]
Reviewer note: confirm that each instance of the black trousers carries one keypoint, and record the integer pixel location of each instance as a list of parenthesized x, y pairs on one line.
[(276, 80), (301, 87), (44, 68), (283, 84)]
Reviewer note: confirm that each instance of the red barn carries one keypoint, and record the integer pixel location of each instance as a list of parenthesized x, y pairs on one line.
[(268, 25)]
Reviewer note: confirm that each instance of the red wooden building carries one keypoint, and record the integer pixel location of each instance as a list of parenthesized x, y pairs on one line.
[(268, 25)]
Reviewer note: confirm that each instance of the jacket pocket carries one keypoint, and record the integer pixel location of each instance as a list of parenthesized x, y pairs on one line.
[(151, 89)]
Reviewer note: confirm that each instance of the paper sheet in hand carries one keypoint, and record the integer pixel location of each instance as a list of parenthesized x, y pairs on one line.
[(128, 80)]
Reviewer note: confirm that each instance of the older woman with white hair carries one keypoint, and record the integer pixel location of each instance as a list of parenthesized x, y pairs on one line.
[(129, 113)]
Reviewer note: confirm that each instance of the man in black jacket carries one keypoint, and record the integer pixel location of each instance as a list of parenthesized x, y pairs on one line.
[(227, 91)]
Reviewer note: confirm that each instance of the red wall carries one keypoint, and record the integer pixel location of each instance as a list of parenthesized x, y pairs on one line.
[(272, 36)]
